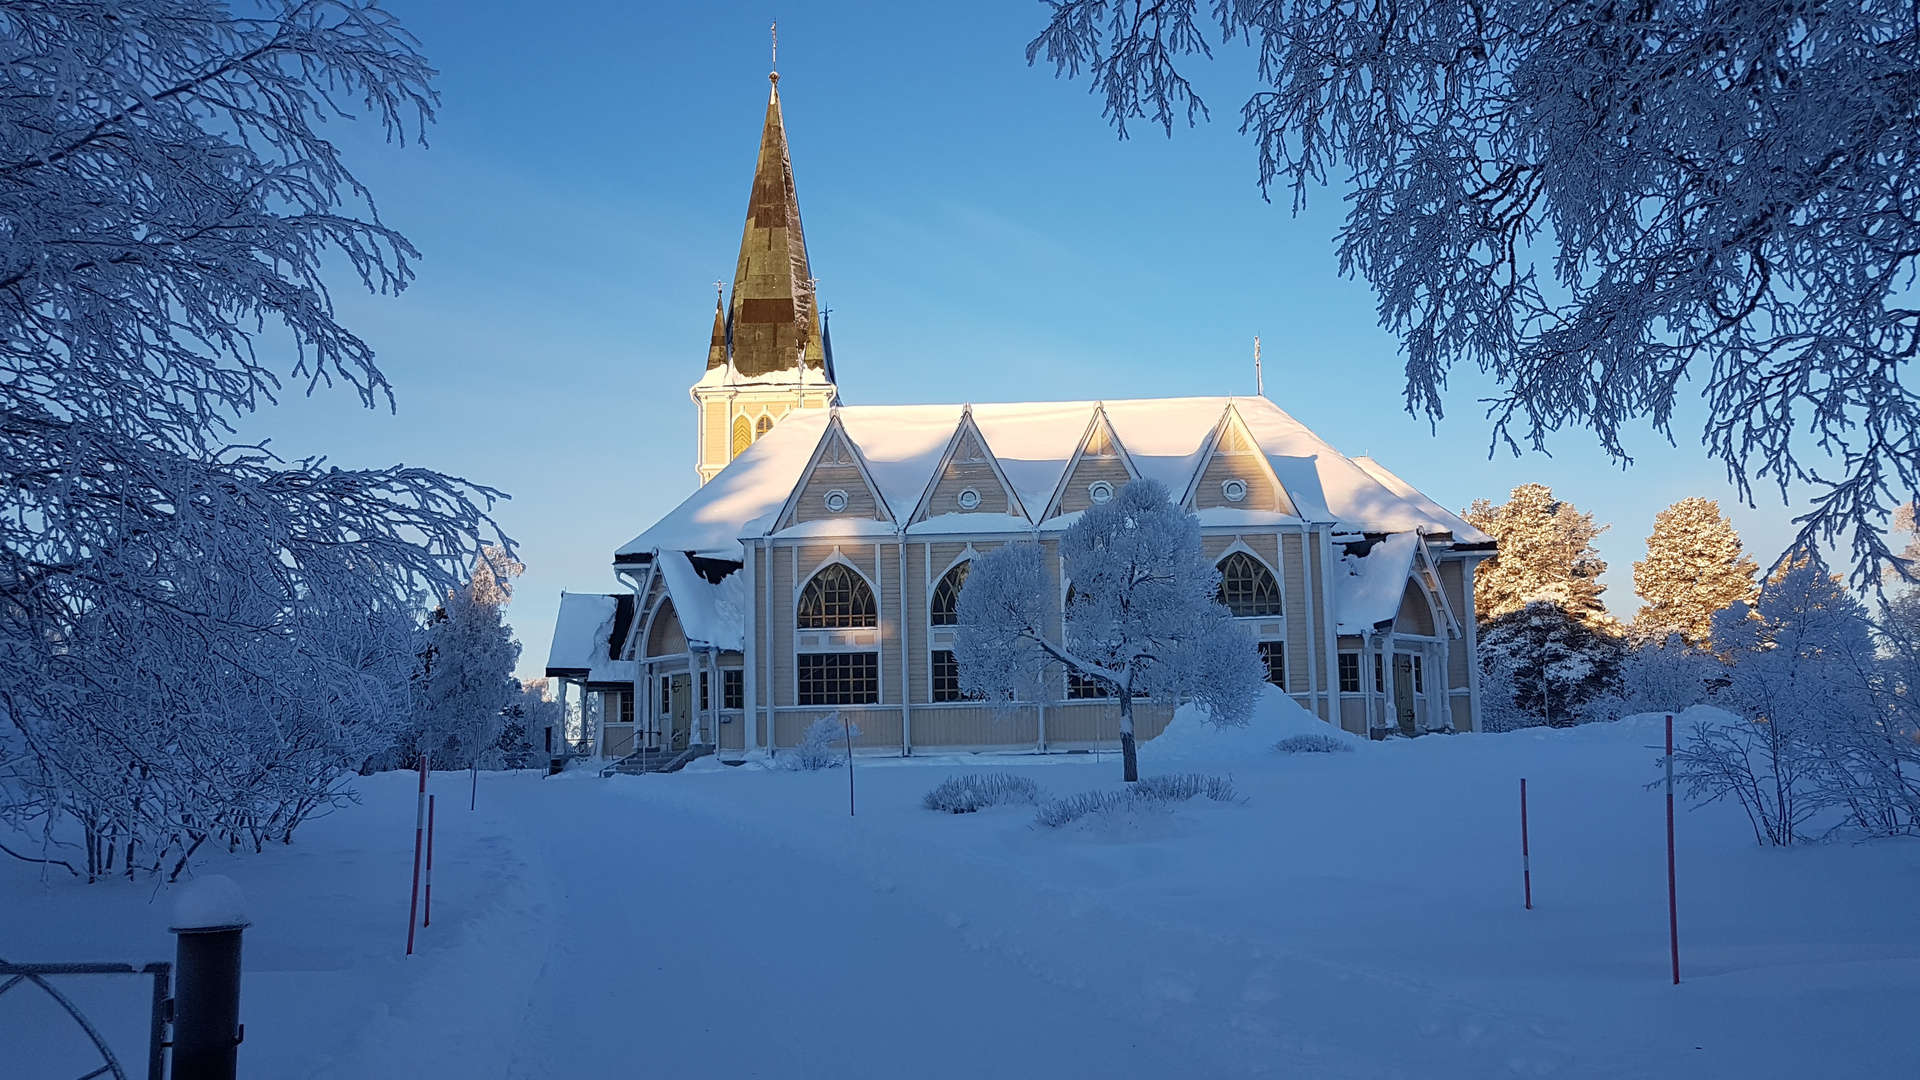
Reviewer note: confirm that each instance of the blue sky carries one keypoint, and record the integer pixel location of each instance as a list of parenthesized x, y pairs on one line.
[(979, 234)]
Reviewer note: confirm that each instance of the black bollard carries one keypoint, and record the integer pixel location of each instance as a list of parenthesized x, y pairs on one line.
[(206, 988)]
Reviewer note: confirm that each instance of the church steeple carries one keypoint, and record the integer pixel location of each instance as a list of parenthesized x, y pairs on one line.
[(775, 317), (717, 347), (769, 354)]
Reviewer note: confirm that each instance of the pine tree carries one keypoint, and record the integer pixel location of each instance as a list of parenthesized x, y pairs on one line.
[(1557, 662), (1694, 568), (1546, 553)]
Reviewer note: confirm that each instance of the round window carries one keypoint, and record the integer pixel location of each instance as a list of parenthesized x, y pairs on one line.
[(969, 499), (1234, 490), (836, 501), (1100, 491)]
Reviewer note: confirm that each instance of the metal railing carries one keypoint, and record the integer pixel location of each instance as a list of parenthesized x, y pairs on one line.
[(14, 975)]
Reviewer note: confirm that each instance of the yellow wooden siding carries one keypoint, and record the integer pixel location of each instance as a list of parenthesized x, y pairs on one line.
[(733, 733), (1262, 492), (1293, 584), (958, 476), (666, 638), (619, 739), (1415, 615), (1099, 721), (861, 502), (1086, 471), (974, 725), (879, 726), (1353, 714)]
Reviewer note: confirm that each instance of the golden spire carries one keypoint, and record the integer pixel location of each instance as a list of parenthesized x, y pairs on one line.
[(717, 348), (775, 318)]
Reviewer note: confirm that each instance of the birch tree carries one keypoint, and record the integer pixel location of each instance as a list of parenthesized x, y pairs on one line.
[(1598, 205), (196, 637), (1143, 619)]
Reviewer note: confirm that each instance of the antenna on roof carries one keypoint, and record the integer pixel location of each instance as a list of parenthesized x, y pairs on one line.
[(1259, 384)]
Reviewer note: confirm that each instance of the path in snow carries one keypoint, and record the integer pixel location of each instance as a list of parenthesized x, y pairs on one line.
[(648, 983)]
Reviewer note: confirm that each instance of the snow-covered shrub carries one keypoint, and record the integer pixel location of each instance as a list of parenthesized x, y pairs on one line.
[(977, 791), (1313, 743), (1179, 787), (1071, 808), (1665, 677), (1152, 793), (824, 746)]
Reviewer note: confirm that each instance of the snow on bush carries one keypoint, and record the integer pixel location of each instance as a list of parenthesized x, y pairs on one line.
[(1313, 744), (1179, 787), (824, 746), (977, 791), (1152, 793)]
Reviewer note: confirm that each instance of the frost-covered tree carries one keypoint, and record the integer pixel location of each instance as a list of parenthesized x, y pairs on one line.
[(532, 727), (1694, 567), (1546, 553), (1597, 204), (466, 679), (196, 637), (1143, 619), (1802, 683), (1664, 676), (1555, 663)]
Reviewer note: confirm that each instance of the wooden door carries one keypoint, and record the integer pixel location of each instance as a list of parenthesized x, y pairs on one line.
[(682, 711), (1403, 692)]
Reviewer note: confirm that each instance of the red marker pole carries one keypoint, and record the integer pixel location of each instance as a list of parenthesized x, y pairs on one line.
[(419, 839), (427, 916), (1673, 892), (1526, 858)]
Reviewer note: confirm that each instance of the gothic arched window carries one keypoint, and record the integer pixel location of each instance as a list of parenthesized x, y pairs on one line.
[(946, 596), (742, 436), (837, 599), (1247, 587), (765, 425)]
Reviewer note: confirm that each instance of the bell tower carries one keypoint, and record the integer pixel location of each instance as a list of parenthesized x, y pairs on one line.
[(769, 353)]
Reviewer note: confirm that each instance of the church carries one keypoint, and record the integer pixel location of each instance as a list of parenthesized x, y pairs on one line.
[(816, 569)]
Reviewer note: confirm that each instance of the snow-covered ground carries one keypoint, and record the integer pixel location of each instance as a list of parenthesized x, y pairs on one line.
[(1356, 915)]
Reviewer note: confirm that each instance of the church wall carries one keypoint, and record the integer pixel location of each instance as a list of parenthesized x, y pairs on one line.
[(1451, 583), (716, 430)]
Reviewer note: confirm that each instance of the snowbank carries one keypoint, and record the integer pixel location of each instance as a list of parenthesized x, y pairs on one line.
[(1191, 739)]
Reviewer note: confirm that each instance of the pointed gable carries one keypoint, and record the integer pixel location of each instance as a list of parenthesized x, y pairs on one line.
[(1236, 466), (968, 466), (836, 485), (774, 312), (1100, 460)]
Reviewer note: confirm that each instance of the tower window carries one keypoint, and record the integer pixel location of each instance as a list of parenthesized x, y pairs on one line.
[(742, 436), (763, 426)]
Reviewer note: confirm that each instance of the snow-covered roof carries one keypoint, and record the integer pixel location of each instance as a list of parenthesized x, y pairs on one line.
[(709, 614), (1463, 533), (1034, 443), (1369, 591), (580, 632)]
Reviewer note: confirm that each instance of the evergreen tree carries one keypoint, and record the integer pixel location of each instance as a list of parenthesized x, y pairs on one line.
[(1694, 567), (1546, 553), (1557, 662)]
